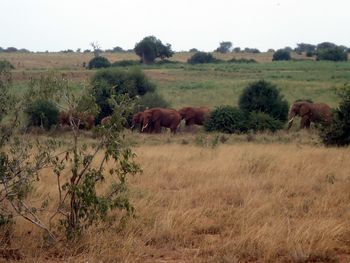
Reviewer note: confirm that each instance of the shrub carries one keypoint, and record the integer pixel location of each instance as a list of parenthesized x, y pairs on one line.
[(332, 54), (242, 60), (125, 63), (152, 100), (112, 81), (4, 64), (263, 96), (259, 121), (281, 54), (201, 57), (99, 62), (42, 113), (227, 119), (338, 133)]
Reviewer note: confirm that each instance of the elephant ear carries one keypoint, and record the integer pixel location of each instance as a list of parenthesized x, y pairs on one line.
[(304, 109)]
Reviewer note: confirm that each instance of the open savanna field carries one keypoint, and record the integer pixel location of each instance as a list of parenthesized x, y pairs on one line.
[(210, 197)]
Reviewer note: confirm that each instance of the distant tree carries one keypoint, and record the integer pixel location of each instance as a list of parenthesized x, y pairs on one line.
[(289, 49), (251, 50), (304, 47), (23, 50), (326, 45), (117, 49), (87, 51), (96, 48), (150, 48), (193, 50), (271, 50), (237, 49), (78, 50), (1, 49), (225, 47), (11, 49), (281, 54)]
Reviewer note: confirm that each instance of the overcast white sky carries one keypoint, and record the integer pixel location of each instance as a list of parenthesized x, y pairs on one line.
[(55, 25)]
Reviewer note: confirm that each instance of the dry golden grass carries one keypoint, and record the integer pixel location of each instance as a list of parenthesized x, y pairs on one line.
[(235, 203), (70, 61)]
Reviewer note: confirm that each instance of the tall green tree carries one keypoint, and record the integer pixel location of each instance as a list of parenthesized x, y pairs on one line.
[(150, 48)]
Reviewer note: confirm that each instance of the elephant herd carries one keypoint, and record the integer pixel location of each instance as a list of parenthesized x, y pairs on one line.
[(154, 119)]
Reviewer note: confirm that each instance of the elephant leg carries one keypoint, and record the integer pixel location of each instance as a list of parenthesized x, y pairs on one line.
[(189, 125), (157, 127), (305, 122)]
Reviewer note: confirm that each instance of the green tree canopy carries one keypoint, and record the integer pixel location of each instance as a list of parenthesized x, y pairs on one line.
[(150, 48)]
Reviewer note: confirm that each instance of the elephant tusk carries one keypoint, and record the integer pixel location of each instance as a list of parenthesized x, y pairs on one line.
[(132, 126), (291, 120), (144, 126)]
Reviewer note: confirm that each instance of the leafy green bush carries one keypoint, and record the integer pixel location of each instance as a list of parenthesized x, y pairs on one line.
[(4, 64), (338, 133), (259, 121), (227, 119), (242, 60), (281, 54), (42, 113), (125, 63), (112, 81), (201, 57), (99, 62), (332, 53), (151, 100), (263, 96)]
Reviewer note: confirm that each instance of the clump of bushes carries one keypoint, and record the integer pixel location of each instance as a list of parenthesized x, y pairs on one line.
[(42, 113), (4, 64), (125, 63), (281, 54), (332, 53), (338, 133), (151, 100), (99, 62), (230, 119), (263, 96), (201, 58), (112, 81), (259, 121), (242, 60), (261, 108), (227, 119)]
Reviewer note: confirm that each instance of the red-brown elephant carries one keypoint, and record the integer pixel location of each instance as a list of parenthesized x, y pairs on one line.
[(193, 115), (310, 112), (160, 117), (83, 120), (138, 120)]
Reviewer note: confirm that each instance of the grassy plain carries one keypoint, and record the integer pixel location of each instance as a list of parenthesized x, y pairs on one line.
[(246, 202), (210, 197)]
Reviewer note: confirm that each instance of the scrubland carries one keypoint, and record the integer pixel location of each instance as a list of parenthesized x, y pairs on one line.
[(241, 202)]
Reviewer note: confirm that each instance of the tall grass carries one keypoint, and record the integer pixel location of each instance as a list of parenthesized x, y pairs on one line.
[(234, 203)]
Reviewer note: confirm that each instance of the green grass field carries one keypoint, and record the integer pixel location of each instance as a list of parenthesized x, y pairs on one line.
[(209, 84)]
